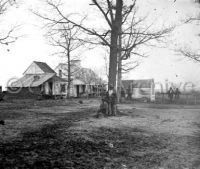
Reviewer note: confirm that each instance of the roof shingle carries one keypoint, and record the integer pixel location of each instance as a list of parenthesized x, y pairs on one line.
[(44, 67)]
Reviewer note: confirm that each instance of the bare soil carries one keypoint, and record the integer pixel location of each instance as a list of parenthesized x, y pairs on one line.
[(67, 134)]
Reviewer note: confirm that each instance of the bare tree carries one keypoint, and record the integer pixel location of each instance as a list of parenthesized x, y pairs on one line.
[(6, 37), (187, 51), (195, 56), (135, 34), (65, 38), (107, 38), (121, 26)]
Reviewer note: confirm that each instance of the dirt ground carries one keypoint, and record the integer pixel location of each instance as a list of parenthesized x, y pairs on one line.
[(67, 134)]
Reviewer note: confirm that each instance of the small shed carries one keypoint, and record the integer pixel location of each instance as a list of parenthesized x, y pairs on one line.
[(139, 89)]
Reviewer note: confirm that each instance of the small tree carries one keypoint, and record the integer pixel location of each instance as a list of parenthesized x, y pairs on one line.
[(122, 33), (108, 38), (67, 41), (66, 38), (116, 14)]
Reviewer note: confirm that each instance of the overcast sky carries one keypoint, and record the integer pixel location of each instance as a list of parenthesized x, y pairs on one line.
[(162, 63)]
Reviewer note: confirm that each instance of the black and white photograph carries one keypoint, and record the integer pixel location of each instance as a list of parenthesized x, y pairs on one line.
[(99, 84)]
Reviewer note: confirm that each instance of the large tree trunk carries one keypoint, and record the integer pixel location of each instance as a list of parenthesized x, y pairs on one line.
[(119, 72), (116, 27), (68, 75), (119, 79)]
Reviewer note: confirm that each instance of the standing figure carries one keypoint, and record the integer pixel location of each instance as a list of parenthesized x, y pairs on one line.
[(170, 94), (129, 97), (177, 94), (112, 101)]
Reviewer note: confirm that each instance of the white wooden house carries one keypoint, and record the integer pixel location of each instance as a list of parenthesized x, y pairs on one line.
[(38, 79), (84, 80)]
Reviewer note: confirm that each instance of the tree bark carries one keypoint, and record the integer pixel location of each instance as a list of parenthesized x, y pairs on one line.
[(68, 74), (116, 27), (119, 72)]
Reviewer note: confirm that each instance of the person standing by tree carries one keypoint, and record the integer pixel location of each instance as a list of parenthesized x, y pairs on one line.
[(129, 91), (112, 101)]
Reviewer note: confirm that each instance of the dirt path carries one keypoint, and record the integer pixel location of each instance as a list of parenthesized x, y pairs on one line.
[(151, 138), (21, 117)]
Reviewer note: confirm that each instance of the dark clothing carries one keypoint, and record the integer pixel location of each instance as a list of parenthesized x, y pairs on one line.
[(113, 98), (129, 93), (112, 109), (105, 97), (122, 93), (177, 93), (103, 108), (170, 94)]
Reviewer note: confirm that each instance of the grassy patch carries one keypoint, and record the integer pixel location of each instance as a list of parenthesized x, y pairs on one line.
[(5, 115), (61, 145), (53, 146), (134, 147)]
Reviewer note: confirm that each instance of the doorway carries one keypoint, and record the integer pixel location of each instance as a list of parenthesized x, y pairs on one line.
[(77, 91)]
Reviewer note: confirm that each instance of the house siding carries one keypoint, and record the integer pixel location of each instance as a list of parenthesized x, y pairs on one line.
[(38, 79), (140, 88), (84, 79), (33, 69)]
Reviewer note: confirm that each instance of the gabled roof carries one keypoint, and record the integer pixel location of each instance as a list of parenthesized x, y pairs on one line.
[(38, 68), (144, 83), (44, 67), (35, 80), (32, 80)]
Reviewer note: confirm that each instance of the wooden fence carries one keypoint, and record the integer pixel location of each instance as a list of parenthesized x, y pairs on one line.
[(185, 98)]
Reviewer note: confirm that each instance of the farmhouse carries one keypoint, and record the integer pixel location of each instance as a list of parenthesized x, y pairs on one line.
[(84, 81), (38, 79), (139, 89)]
